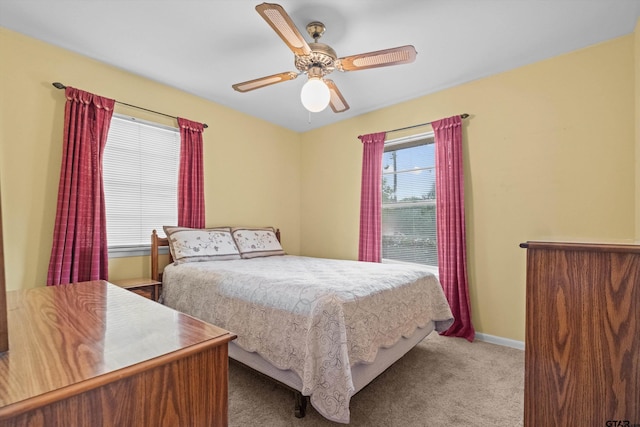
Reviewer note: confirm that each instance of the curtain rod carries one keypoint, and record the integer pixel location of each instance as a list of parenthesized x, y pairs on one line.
[(462, 116), (59, 85)]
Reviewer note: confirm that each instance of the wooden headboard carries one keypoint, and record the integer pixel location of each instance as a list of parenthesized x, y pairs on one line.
[(158, 242)]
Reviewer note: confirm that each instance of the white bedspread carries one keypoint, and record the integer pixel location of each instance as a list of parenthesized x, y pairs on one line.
[(317, 317)]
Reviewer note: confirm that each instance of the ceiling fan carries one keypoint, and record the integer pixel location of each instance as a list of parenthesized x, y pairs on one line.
[(317, 60)]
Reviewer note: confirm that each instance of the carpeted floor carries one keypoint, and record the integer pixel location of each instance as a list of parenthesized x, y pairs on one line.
[(441, 382)]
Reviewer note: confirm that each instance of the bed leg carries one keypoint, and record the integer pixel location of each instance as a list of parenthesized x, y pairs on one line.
[(301, 405)]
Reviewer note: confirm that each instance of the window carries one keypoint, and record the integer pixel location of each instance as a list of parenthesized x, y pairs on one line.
[(409, 200), (140, 173)]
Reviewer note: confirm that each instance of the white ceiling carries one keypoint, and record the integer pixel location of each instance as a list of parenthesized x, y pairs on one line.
[(203, 47)]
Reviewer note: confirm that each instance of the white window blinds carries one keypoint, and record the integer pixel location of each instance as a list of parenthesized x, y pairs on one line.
[(140, 174), (409, 200)]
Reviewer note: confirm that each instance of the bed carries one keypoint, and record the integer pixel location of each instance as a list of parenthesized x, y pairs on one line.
[(323, 327)]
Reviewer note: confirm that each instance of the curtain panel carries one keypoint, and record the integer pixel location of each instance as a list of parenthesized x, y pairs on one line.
[(79, 251), (369, 245), (191, 175), (450, 224)]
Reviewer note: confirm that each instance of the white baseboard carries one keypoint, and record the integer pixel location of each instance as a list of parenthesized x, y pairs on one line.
[(500, 341)]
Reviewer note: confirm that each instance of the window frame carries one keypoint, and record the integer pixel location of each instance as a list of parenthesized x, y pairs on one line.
[(403, 143), (142, 249)]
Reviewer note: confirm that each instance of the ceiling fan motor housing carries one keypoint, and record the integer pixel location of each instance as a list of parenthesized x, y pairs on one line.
[(321, 56)]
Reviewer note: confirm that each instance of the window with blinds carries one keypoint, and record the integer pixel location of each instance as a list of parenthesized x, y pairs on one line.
[(409, 200), (140, 174)]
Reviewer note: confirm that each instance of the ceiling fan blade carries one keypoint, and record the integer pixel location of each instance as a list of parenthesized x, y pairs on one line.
[(379, 58), (282, 24), (264, 81), (336, 101)]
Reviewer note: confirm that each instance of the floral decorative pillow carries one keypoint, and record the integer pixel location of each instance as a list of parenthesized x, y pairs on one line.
[(201, 244), (257, 242)]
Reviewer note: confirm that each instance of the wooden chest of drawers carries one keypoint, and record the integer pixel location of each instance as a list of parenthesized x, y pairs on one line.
[(582, 350), (94, 354)]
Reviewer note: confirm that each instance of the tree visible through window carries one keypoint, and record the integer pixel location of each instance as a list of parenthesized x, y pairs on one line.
[(409, 200)]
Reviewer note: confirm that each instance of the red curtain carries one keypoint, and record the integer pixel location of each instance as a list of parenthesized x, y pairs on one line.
[(371, 197), (450, 223), (191, 175), (79, 251)]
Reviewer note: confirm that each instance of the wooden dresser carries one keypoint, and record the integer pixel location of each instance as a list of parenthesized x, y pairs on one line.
[(582, 350), (94, 354)]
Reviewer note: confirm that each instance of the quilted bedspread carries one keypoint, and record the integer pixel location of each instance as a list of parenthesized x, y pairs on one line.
[(317, 317)]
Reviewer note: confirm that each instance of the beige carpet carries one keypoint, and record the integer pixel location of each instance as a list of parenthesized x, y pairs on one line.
[(441, 382)]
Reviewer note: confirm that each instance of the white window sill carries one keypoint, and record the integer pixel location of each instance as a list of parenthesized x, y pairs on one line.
[(131, 251)]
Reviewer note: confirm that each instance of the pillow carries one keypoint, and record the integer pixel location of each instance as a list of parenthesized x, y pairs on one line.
[(201, 244), (257, 242)]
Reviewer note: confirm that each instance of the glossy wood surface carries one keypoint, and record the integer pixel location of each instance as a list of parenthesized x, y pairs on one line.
[(82, 345), (189, 391), (582, 352), (584, 246)]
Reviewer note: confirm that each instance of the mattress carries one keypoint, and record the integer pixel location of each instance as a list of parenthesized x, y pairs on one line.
[(318, 318), (362, 373)]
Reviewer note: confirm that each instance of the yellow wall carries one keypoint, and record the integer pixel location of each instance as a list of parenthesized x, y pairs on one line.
[(551, 151), (251, 171), (548, 155)]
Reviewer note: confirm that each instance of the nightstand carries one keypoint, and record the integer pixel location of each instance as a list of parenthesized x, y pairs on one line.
[(144, 286)]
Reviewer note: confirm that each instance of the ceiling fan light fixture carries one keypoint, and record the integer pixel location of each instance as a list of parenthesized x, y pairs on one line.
[(315, 95), (318, 60)]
